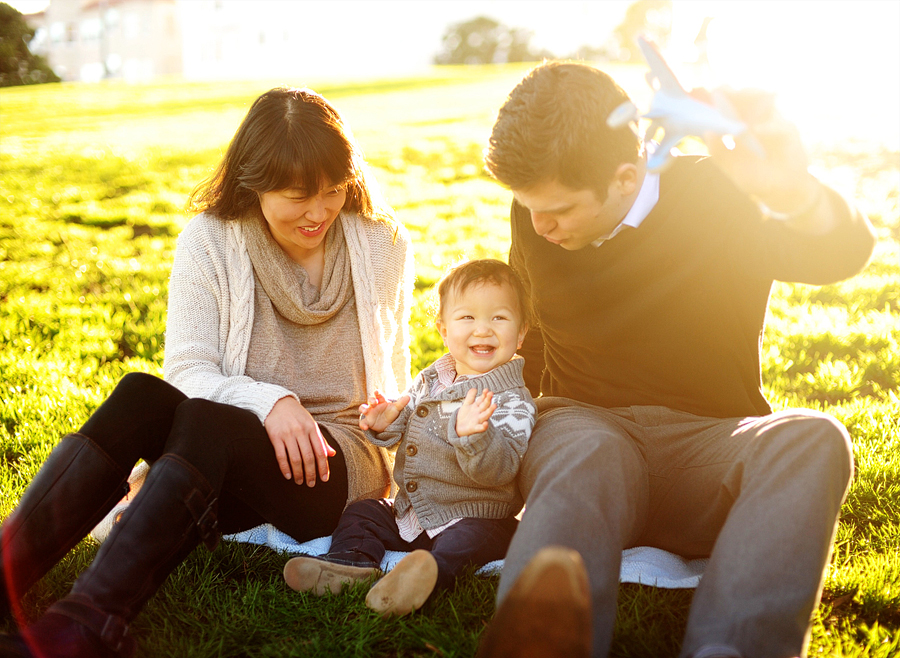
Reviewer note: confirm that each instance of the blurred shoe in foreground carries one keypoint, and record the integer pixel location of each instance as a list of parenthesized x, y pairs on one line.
[(546, 614)]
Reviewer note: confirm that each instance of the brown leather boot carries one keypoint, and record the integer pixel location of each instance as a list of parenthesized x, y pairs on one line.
[(547, 613), (75, 488), (173, 512)]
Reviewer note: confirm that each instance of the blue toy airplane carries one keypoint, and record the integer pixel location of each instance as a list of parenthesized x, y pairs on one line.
[(676, 112)]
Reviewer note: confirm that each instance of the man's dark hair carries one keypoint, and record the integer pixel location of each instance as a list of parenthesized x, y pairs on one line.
[(485, 270), (552, 127)]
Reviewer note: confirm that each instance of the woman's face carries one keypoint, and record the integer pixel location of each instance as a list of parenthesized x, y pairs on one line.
[(299, 221)]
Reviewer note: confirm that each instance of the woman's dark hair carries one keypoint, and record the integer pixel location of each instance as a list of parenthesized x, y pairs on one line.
[(289, 138)]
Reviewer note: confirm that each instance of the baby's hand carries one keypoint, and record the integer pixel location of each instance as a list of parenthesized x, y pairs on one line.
[(473, 415), (379, 412)]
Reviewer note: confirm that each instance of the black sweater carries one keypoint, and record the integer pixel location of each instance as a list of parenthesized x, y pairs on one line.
[(672, 313)]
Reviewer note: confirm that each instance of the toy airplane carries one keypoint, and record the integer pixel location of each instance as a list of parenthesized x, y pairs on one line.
[(678, 113)]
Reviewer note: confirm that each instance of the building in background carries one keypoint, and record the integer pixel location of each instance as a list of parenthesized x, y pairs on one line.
[(285, 40), (90, 40), (139, 40)]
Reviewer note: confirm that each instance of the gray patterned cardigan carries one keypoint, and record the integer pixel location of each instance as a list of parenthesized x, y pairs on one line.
[(444, 476)]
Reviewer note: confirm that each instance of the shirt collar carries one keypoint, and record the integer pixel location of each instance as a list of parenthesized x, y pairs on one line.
[(445, 368), (646, 200)]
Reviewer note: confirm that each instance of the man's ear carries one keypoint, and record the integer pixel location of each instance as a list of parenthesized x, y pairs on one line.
[(626, 178), (442, 330)]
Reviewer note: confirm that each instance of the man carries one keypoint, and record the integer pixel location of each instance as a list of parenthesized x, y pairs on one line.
[(650, 292)]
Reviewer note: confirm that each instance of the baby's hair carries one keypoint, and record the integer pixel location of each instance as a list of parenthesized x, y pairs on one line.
[(485, 270)]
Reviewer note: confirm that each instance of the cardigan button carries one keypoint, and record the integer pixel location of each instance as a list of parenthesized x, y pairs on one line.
[(422, 411), (412, 486), (411, 450)]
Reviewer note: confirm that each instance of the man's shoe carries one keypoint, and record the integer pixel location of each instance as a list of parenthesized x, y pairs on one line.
[(546, 614), (320, 575), (406, 587)]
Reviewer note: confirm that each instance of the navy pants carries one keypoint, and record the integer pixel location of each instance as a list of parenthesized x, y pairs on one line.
[(369, 527)]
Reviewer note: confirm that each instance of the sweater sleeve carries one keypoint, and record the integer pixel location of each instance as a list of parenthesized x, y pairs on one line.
[(400, 356), (799, 257), (492, 457), (392, 434), (533, 346), (775, 249), (197, 328)]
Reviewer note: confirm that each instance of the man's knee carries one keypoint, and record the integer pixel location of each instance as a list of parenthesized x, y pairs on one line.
[(811, 439)]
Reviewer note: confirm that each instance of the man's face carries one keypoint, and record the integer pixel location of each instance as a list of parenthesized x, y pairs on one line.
[(571, 218)]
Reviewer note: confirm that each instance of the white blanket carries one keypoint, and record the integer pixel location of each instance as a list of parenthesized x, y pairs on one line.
[(643, 565)]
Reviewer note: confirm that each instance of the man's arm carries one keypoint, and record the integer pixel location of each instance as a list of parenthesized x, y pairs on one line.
[(815, 236), (532, 349)]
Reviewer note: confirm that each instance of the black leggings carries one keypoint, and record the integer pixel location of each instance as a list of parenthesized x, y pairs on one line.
[(145, 418)]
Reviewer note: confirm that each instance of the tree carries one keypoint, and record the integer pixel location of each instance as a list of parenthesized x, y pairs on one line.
[(483, 40), (650, 17), (18, 65)]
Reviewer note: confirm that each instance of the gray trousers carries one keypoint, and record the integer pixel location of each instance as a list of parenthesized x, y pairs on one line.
[(760, 496)]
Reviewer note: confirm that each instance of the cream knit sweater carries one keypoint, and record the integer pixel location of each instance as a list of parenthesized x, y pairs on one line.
[(210, 312)]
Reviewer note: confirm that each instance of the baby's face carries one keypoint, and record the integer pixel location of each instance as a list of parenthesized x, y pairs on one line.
[(481, 327)]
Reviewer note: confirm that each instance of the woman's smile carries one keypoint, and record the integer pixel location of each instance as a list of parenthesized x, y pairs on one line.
[(311, 230)]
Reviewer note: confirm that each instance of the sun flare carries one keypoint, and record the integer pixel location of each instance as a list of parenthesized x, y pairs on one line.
[(835, 66)]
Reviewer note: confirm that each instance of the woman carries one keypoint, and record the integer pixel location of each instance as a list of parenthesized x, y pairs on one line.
[(288, 305)]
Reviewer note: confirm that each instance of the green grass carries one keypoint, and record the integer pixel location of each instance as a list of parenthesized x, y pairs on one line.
[(93, 182)]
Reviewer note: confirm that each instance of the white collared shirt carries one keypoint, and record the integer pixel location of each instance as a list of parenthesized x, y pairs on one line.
[(645, 202)]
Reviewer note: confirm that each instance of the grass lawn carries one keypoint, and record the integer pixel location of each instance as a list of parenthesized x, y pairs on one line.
[(93, 182)]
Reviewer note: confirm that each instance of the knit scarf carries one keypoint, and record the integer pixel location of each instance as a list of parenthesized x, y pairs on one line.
[(287, 283)]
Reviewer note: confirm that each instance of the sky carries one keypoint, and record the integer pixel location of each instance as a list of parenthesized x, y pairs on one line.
[(827, 60)]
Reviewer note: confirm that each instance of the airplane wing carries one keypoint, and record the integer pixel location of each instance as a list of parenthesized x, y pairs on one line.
[(661, 71)]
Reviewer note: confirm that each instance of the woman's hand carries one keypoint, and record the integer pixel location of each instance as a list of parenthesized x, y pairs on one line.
[(473, 415), (299, 445), (379, 412)]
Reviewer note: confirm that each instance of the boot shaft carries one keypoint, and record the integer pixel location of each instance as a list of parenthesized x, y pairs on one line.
[(74, 488), (174, 511)]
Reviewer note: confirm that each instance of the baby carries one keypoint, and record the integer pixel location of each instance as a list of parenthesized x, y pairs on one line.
[(462, 429)]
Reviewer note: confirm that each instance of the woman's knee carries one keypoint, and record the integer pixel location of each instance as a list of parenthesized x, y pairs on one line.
[(135, 419), (148, 390)]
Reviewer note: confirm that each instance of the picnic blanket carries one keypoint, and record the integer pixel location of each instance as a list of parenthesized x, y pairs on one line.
[(643, 565)]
